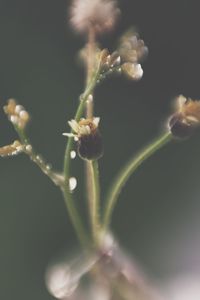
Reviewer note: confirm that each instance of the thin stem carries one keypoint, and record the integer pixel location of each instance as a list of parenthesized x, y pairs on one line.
[(58, 179), (69, 201), (127, 171), (75, 218), (91, 53), (95, 199), (55, 177), (92, 173)]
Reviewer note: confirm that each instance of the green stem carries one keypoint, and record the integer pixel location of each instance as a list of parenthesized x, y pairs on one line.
[(75, 218), (94, 204), (127, 171), (59, 180), (55, 177), (69, 201)]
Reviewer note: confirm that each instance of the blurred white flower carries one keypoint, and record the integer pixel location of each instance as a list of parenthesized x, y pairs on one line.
[(100, 15), (184, 287)]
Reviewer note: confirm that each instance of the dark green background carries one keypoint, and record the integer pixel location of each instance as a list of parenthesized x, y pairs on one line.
[(157, 218)]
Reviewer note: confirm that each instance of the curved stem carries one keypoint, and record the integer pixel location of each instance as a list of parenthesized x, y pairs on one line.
[(94, 202), (127, 171)]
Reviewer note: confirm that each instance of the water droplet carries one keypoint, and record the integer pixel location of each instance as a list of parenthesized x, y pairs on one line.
[(29, 148), (73, 154), (72, 183), (75, 138), (48, 167), (39, 158)]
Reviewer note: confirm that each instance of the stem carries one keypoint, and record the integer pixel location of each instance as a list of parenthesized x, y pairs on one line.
[(69, 201), (56, 178), (127, 171), (91, 53), (92, 173), (75, 218), (94, 199)]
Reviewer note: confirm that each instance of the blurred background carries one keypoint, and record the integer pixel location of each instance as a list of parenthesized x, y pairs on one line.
[(157, 218)]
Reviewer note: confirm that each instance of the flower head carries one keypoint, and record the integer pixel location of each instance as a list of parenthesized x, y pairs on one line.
[(101, 15), (186, 118), (17, 114), (88, 138), (132, 50)]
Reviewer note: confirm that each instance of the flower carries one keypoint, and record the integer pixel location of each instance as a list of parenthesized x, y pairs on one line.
[(186, 118), (100, 15), (17, 114), (132, 50), (88, 137), (12, 149)]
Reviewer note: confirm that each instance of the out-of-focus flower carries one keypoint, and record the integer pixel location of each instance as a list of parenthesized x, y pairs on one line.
[(183, 287), (100, 15), (12, 149), (112, 276), (17, 114), (88, 137), (133, 71), (186, 117), (132, 51)]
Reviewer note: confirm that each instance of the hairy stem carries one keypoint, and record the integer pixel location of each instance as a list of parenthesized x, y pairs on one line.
[(127, 171)]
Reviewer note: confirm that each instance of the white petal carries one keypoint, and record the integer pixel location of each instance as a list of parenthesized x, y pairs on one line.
[(69, 134), (96, 121), (74, 125)]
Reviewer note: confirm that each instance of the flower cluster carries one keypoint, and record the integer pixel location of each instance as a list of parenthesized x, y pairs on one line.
[(132, 50), (100, 15), (17, 114), (126, 58)]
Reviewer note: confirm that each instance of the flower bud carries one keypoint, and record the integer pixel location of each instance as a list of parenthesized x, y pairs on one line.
[(186, 119), (132, 70), (12, 149), (17, 114)]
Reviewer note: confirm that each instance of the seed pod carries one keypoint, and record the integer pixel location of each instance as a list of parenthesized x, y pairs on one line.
[(186, 118), (179, 127), (90, 146)]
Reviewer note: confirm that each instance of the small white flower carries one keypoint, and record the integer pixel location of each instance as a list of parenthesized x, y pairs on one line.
[(101, 15), (83, 127), (86, 134)]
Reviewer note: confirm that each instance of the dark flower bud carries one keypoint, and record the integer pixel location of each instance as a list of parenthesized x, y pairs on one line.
[(186, 118), (90, 146), (179, 127)]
